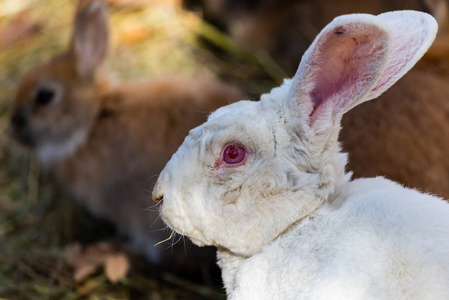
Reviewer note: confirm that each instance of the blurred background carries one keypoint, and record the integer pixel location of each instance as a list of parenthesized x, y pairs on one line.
[(251, 43)]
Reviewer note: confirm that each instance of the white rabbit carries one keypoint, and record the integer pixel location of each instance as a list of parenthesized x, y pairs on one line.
[(265, 181)]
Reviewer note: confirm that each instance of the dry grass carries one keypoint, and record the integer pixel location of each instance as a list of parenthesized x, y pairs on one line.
[(37, 219)]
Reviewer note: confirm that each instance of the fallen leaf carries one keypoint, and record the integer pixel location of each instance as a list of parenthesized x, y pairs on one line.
[(87, 261), (134, 35), (116, 267), (83, 270)]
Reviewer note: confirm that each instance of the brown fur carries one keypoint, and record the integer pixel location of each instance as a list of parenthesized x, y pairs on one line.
[(144, 125), (285, 28), (132, 130), (405, 134)]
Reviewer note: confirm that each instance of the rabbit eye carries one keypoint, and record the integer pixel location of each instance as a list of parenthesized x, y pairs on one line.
[(234, 154), (44, 96)]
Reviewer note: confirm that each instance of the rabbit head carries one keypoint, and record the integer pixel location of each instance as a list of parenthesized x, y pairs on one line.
[(255, 168), (57, 101)]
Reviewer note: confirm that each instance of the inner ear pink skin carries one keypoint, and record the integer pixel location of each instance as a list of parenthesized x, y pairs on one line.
[(342, 66), (232, 155), (342, 58)]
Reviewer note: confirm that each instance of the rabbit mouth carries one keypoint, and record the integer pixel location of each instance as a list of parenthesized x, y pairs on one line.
[(187, 233)]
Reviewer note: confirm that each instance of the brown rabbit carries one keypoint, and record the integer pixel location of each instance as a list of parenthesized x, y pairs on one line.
[(406, 140), (106, 143)]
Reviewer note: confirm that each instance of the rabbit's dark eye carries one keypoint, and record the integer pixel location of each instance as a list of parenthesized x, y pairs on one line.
[(234, 154), (44, 96)]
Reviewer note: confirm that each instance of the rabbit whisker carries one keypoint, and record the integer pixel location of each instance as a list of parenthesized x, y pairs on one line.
[(161, 229), (154, 222)]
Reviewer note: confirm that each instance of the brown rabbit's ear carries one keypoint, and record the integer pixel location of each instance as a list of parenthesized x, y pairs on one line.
[(90, 36)]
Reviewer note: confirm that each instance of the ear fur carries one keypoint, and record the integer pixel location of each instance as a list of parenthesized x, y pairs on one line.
[(90, 36), (412, 34), (354, 59)]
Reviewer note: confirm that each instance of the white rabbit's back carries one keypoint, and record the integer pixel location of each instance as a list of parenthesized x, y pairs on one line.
[(389, 243)]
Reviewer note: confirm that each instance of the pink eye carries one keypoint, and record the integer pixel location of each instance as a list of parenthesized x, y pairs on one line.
[(234, 154)]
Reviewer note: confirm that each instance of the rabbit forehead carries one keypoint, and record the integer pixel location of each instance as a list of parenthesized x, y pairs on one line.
[(258, 125), (234, 112), (58, 69), (240, 122)]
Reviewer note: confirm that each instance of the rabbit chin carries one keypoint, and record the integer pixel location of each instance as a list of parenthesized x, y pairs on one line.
[(50, 153), (182, 225)]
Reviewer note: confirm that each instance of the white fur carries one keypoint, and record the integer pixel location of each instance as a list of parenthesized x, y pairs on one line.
[(375, 240), (288, 222), (49, 153)]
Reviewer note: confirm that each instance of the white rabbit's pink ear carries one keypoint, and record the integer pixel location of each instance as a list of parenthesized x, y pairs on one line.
[(354, 59), (90, 36), (341, 67), (412, 34)]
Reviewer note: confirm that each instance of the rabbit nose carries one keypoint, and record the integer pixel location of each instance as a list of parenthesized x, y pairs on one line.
[(19, 119), (158, 195), (159, 199)]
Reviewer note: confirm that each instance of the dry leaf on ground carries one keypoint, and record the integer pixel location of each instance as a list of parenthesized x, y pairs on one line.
[(116, 267), (87, 261)]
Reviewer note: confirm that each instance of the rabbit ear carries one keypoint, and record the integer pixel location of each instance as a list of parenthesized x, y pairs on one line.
[(340, 67), (412, 34), (90, 36), (354, 59)]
